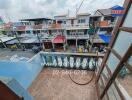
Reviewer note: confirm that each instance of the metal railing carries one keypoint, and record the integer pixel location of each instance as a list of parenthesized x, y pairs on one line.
[(78, 36), (46, 26)]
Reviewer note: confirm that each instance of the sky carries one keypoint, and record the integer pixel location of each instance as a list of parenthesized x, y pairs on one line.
[(14, 10)]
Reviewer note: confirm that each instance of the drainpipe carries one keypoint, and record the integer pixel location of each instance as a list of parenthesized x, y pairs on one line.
[(38, 39), (76, 43), (43, 45), (76, 39), (64, 46), (53, 45)]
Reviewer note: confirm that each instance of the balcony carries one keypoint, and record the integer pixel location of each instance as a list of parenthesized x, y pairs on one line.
[(76, 26), (55, 84), (77, 36), (52, 26), (56, 79), (105, 24)]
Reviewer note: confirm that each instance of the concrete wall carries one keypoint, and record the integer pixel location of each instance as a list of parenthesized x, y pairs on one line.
[(23, 72), (19, 90), (83, 17)]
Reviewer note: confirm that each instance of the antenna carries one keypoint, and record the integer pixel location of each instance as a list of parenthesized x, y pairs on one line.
[(68, 12), (7, 16), (77, 9)]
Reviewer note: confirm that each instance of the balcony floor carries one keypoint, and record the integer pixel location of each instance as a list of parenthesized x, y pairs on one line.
[(54, 85)]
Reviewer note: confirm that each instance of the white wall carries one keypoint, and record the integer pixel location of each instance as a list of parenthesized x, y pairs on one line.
[(83, 17)]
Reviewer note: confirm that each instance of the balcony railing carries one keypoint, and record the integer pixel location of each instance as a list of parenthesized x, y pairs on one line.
[(74, 36), (85, 61), (56, 26), (105, 24)]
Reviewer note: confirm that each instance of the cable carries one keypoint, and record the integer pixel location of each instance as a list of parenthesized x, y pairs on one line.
[(83, 83), (89, 80)]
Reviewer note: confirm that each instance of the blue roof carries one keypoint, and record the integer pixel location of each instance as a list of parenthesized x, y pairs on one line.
[(117, 8), (105, 38)]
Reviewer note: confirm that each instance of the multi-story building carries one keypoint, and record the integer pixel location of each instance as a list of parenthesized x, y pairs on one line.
[(103, 21), (77, 30), (63, 31), (74, 31)]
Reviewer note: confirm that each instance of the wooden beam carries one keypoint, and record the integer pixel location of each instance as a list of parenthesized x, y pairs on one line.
[(116, 54), (127, 29), (7, 94)]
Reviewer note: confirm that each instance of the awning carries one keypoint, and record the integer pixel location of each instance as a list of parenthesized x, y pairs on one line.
[(21, 28), (105, 38), (12, 41), (59, 39)]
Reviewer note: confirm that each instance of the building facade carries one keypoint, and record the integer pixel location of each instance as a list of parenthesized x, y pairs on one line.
[(76, 31)]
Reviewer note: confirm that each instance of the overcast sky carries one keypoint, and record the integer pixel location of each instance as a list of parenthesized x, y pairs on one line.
[(19, 9)]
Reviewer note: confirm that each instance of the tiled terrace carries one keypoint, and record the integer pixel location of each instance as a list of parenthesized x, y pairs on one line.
[(55, 84)]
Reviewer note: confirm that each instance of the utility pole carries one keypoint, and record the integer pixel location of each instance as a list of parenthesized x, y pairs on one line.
[(76, 10), (14, 31), (68, 13)]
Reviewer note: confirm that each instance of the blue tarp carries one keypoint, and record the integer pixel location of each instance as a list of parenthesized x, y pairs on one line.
[(105, 38), (117, 8)]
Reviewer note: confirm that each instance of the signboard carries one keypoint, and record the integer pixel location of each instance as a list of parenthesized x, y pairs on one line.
[(117, 11)]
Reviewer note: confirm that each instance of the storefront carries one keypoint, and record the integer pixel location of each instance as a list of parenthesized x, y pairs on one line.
[(59, 43)]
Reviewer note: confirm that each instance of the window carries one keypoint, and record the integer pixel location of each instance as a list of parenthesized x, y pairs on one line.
[(118, 60), (128, 17), (64, 22), (124, 82), (113, 93), (105, 75), (81, 21), (28, 32), (101, 85), (123, 42), (112, 62)]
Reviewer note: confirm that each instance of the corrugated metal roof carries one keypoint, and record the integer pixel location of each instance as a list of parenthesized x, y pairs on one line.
[(71, 18), (5, 39), (12, 41), (105, 11), (83, 14), (35, 19), (64, 15)]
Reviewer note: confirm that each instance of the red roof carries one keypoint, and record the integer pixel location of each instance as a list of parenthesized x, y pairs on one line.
[(21, 28), (59, 39)]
